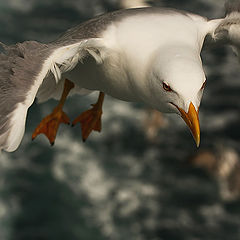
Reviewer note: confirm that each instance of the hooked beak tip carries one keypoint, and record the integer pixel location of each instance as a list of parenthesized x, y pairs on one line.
[(197, 140), (192, 120)]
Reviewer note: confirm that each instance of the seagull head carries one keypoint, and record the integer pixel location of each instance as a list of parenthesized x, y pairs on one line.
[(177, 82)]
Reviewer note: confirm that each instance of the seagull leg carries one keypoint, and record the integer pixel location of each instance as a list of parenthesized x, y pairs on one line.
[(49, 125), (91, 119)]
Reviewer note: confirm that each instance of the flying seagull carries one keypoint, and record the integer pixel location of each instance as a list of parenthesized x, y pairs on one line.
[(148, 55)]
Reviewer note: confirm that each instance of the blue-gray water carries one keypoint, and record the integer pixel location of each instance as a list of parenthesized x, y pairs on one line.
[(118, 185)]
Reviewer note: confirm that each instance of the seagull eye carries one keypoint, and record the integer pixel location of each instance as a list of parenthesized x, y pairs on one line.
[(166, 87), (203, 86)]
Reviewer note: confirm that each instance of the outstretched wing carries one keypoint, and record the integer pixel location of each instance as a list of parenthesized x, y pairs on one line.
[(23, 68)]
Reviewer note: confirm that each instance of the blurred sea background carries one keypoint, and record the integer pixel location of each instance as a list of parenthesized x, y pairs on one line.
[(142, 178)]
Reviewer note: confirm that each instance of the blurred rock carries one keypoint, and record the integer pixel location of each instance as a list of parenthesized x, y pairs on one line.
[(224, 165), (153, 122), (205, 159)]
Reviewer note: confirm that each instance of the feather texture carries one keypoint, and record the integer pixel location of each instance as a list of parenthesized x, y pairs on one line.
[(129, 45), (23, 68)]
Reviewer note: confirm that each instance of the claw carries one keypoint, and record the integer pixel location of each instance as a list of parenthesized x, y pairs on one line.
[(90, 120), (50, 124)]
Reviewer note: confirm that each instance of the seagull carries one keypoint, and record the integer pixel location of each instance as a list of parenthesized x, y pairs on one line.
[(148, 55)]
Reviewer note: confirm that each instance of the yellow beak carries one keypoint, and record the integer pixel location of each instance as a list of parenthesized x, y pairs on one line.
[(192, 120)]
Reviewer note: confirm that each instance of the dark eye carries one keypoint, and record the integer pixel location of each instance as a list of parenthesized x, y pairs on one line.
[(203, 86), (166, 87)]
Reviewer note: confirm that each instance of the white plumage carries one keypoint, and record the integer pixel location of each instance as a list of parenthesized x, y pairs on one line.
[(137, 53)]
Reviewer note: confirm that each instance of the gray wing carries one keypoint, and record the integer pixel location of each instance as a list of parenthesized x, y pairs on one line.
[(23, 67), (95, 26), (20, 65)]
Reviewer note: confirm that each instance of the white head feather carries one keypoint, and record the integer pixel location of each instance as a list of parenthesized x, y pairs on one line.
[(181, 69)]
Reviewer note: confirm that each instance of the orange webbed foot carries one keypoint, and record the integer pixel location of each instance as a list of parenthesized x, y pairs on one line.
[(90, 120), (49, 125)]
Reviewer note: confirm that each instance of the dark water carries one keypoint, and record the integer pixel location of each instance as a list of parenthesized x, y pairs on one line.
[(118, 185)]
